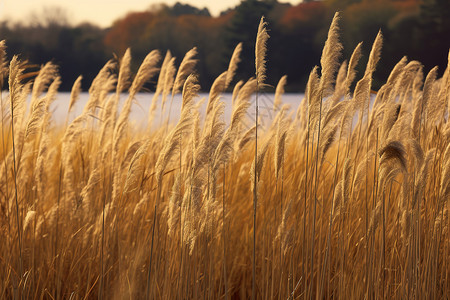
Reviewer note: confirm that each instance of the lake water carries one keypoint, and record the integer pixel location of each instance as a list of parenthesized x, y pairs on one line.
[(140, 108)]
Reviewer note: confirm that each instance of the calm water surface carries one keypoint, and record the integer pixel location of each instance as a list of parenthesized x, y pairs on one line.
[(140, 108)]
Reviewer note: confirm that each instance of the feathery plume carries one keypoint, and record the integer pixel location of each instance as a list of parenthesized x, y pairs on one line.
[(146, 71), (135, 168), (31, 214), (313, 97), (46, 75), (102, 84), (130, 154), (397, 70), (394, 151), (52, 92), (351, 72), (279, 91), (190, 91), (330, 58), (280, 142), (168, 82), (159, 85), (246, 137), (124, 72), (259, 162), (88, 192), (242, 103), (236, 90), (222, 152), (186, 68), (15, 86), (329, 136), (20, 109), (16, 99), (217, 88), (341, 76), (374, 56), (260, 52), (391, 113), (233, 65), (3, 63), (172, 140), (428, 89), (333, 114), (75, 93)]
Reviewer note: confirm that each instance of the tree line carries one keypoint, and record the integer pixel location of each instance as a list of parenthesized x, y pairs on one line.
[(418, 28)]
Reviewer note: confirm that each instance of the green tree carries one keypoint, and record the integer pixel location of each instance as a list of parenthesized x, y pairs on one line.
[(242, 28), (180, 9)]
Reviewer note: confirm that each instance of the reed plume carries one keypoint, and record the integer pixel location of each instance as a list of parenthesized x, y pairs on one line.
[(233, 65), (279, 91), (186, 68), (330, 56), (260, 52), (3, 63), (47, 74), (75, 94)]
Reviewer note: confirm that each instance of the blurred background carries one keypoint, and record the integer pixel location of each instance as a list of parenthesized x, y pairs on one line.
[(419, 29)]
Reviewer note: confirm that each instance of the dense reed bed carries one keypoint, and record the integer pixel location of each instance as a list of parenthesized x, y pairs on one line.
[(346, 197)]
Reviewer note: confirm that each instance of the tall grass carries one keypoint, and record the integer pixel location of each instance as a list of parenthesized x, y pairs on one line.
[(353, 204)]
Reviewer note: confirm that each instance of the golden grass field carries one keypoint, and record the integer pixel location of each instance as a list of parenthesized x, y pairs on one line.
[(342, 198)]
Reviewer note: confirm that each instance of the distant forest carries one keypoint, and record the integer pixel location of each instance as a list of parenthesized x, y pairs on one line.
[(419, 29)]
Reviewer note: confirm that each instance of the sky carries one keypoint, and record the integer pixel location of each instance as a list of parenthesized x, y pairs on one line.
[(100, 12)]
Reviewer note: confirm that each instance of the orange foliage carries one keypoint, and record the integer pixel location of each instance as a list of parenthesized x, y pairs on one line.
[(407, 5), (128, 30), (303, 12), (136, 27)]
